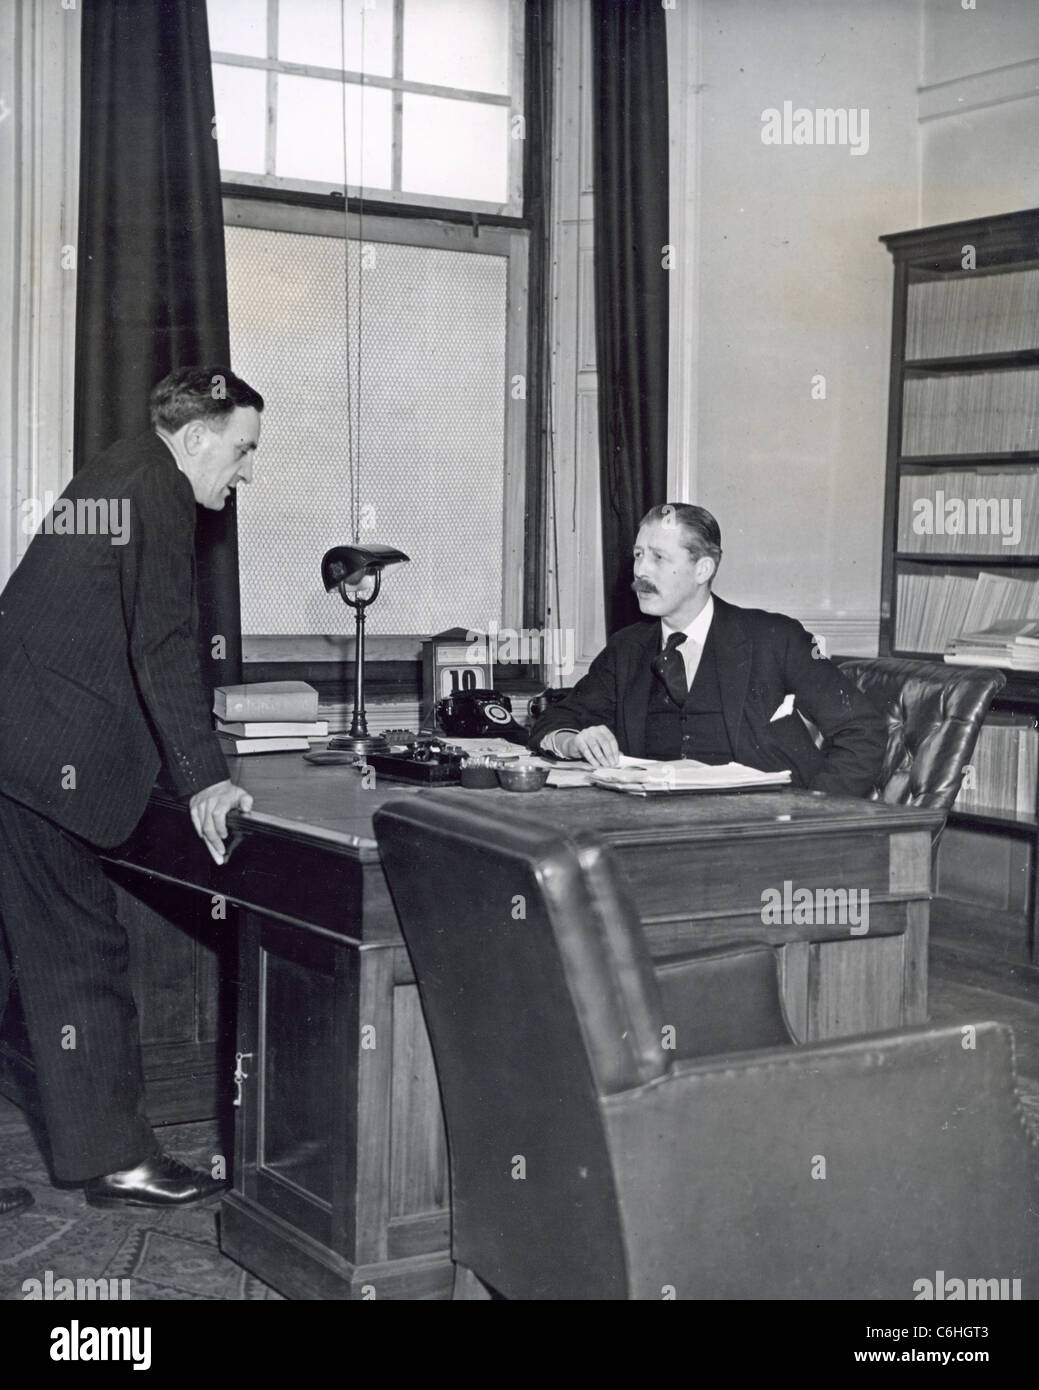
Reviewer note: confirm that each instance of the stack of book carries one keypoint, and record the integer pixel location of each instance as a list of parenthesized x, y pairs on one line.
[(972, 313), (938, 606), (971, 413), (1004, 769), (969, 512), (1012, 643), (267, 717)]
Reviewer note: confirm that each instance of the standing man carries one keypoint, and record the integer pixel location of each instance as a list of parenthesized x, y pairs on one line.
[(100, 671), (713, 682)]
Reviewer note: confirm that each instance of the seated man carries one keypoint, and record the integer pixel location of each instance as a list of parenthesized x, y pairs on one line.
[(711, 681)]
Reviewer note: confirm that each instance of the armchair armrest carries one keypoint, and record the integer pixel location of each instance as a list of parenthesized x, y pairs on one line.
[(841, 1170)]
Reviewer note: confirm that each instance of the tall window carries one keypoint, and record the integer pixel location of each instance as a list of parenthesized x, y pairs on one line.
[(419, 104)]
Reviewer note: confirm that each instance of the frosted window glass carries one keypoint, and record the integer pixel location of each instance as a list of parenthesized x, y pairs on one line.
[(432, 429), (458, 43), (309, 32), (309, 141), (455, 149), (238, 26), (240, 97)]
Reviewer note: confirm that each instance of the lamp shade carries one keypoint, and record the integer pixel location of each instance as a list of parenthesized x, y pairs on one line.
[(350, 563)]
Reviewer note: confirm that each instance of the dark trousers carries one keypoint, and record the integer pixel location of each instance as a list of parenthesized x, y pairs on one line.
[(69, 957)]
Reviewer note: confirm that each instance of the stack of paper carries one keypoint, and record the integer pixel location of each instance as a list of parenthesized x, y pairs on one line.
[(1011, 643), (684, 775)]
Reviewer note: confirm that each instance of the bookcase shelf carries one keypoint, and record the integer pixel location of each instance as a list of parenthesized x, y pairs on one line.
[(965, 372), (992, 460), (974, 561), (979, 362)]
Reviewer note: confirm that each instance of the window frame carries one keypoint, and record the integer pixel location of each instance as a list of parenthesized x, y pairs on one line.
[(514, 100), (511, 242)]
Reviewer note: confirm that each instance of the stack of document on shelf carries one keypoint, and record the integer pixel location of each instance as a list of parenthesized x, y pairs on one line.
[(267, 717), (381, 714), (1003, 771), (1012, 642)]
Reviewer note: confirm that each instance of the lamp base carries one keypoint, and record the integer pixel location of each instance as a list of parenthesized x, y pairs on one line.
[(362, 744)]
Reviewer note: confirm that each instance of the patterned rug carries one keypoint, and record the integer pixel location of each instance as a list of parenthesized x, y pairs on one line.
[(163, 1255)]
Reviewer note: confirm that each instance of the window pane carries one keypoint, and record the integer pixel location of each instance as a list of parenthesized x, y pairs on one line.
[(238, 26), (455, 149), (310, 132), (458, 43), (309, 32), (432, 428), (240, 95)]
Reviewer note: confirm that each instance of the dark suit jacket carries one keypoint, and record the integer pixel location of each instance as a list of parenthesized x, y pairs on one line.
[(99, 663), (762, 657)]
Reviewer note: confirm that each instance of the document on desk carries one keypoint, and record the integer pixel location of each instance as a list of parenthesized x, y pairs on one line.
[(644, 777), (493, 748), (638, 776)]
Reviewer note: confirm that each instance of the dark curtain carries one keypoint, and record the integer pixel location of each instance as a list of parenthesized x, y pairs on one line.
[(152, 283), (629, 65)]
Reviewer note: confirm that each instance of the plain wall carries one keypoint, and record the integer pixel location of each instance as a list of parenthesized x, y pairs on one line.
[(980, 109), (793, 282)]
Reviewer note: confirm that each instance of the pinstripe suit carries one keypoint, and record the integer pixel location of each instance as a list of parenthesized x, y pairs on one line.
[(100, 673)]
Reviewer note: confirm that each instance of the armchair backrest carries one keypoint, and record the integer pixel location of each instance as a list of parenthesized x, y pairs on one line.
[(540, 1000), (934, 712)]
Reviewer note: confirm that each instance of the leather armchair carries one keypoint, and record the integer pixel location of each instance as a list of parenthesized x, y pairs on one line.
[(934, 713), (619, 1131)]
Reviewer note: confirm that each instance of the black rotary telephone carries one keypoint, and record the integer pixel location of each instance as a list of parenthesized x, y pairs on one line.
[(478, 714)]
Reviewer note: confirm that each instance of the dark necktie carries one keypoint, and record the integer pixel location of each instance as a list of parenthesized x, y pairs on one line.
[(670, 667)]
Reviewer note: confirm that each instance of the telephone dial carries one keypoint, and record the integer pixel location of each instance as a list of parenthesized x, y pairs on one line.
[(478, 714)]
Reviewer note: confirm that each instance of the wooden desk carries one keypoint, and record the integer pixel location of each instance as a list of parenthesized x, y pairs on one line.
[(340, 1169)]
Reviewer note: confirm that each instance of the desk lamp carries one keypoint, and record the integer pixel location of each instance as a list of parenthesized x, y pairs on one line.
[(356, 571)]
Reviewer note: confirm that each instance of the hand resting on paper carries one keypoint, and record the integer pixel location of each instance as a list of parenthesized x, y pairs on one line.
[(596, 745)]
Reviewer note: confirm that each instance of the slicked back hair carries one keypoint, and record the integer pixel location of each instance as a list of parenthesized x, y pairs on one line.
[(700, 533), (199, 393)]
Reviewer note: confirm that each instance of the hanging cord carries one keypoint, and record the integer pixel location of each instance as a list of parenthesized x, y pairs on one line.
[(355, 501), (346, 269), (553, 598), (353, 423)]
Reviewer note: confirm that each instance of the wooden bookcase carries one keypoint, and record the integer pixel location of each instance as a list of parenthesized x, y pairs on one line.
[(961, 542)]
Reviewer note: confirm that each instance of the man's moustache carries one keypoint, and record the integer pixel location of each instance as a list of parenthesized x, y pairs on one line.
[(641, 588)]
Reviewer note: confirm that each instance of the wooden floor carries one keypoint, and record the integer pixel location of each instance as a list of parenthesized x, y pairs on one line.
[(959, 995)]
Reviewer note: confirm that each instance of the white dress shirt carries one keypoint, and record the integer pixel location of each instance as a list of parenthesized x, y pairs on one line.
[(695, 637), (691, 649)]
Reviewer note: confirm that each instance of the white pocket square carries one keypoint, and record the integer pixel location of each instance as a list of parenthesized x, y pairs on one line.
[(787, 707)]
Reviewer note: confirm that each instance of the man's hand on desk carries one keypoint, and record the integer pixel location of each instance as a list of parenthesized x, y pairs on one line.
[(595, 745), (209, 809)]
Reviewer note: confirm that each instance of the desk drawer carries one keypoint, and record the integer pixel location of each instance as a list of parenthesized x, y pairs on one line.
[(743, 877)]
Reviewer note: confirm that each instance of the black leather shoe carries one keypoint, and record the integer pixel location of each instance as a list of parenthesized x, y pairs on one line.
[(14, 1199), (160, 1181)]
